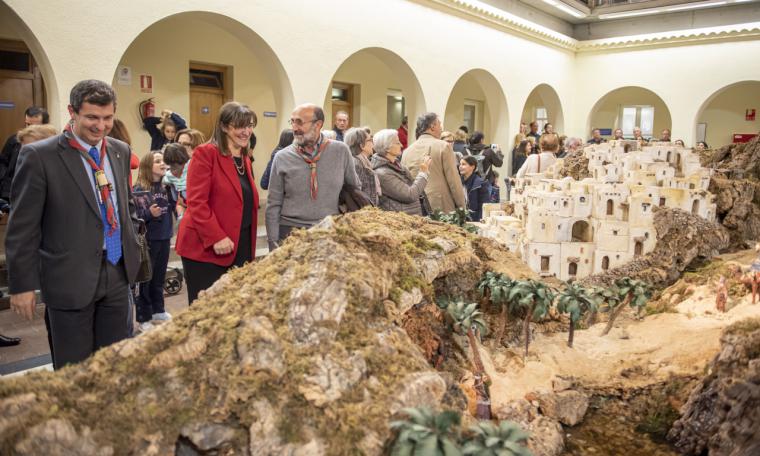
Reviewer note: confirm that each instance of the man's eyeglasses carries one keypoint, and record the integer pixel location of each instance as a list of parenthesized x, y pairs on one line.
[(299, 122)]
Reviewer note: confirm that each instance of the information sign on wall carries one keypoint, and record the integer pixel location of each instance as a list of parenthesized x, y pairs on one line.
[(749, 115), (146, 83)]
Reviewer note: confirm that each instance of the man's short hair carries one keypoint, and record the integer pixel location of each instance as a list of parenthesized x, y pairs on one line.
[(319, 114), (341, 112), (34, 111), (464, 129), (477, 137), (91, 91), (425, 122)]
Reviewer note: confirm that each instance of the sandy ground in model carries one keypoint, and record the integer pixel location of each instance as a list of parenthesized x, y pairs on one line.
[(635, 353)]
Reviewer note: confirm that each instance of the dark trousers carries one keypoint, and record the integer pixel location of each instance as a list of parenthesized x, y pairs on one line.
[(79, 333), (200, 275), (150, 299)]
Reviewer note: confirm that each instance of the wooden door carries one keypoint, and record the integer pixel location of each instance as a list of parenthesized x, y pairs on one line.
[(16, 94), (204, 109), (342, 100)]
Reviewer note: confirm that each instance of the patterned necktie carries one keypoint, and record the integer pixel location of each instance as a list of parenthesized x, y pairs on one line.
[(111, 229), (312, 162)]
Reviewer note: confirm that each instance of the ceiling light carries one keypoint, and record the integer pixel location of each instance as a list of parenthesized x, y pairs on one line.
[(694, 6), (564, 8)]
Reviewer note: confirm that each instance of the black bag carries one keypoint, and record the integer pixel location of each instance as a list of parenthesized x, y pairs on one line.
[(352, 199), (145, 272)]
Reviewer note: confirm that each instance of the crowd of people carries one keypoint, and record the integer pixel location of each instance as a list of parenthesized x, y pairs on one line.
[(77, 221)]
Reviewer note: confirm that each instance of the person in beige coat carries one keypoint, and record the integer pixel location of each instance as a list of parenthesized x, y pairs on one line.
[(444, 188)]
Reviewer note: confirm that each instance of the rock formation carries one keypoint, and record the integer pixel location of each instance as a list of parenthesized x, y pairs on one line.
[(575, 165), (299, 353), (722, 415), (682, 238)]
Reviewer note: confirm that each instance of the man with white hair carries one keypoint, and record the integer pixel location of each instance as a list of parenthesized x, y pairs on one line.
[(306, 177)]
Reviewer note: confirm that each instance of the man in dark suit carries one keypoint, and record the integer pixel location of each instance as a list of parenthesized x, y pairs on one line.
[(34, 115), (71, 233)]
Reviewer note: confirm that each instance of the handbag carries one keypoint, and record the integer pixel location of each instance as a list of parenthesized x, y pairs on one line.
[(145, 271), (352, 199)]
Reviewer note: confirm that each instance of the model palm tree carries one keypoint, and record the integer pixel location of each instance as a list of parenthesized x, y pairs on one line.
[(575, 300), (496, 287), (468, 320), (488, 439), (425, 433), (535, 298), (629, 292)]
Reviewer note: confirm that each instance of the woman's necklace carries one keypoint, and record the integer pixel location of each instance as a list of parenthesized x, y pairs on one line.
[(240, 169)]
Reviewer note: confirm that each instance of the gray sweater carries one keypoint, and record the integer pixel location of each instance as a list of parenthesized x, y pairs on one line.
[(289, 200)]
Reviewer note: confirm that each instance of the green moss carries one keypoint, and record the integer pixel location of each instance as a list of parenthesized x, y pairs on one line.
[(745, 326)]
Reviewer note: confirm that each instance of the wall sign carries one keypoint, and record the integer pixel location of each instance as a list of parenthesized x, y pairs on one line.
[(146, 83), (270, 114), (124, 76), (743, 137), (7, 105), (749, 115)]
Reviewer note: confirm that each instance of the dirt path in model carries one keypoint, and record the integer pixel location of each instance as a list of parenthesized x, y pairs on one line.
[(633, 354)]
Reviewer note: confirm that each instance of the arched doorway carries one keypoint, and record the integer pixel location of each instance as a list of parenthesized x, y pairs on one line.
[(581, 231), (376, 87), (26, 76), (695, 207), (605, 263), (610, 207), (543, 105), (572, 269), (253, 75), (478, 101), (629, 107), (723, 113), (638, 249)]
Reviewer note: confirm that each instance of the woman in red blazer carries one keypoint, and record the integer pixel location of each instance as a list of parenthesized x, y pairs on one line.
[(218, 229)]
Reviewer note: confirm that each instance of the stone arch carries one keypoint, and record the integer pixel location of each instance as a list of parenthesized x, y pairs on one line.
[(605, 263), (377, 74), (22, 32), (581, 231), (257, 77), (479, 88), (544, 95), (723, 110), (607, 111)]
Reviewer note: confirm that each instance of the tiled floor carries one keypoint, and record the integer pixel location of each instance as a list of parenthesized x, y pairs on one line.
[(34, 344)]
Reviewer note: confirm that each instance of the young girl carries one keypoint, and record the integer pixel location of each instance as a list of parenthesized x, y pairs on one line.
[(155, 206), (170, 122)]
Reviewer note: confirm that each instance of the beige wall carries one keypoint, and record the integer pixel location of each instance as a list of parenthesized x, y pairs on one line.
[(724, 114), (606, 113), (165, 51)]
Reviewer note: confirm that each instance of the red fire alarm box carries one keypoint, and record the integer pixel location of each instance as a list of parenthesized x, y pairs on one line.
[(743, 137), (749, 115)]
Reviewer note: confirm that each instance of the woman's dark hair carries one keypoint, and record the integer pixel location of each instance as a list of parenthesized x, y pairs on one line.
[(477, 137), (704, 144), (286, 138), (234, 115), (91, 91), (175, 154), (470, 160), (523, 147)]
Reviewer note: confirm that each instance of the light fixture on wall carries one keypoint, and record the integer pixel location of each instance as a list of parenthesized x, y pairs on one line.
[(565, 8)]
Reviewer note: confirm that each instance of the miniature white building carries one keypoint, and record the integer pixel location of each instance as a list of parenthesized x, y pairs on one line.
[(571, 229)]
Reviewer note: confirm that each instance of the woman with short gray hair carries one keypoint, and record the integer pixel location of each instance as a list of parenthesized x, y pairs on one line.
[(399, 192), (359, 141)]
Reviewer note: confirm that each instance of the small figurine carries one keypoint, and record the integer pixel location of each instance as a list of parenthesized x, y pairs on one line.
[(721, 296)]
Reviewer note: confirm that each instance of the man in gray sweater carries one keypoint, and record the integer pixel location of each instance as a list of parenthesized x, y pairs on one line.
[(306, 177)]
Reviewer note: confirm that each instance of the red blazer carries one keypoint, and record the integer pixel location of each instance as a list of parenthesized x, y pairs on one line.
[(214, 207)]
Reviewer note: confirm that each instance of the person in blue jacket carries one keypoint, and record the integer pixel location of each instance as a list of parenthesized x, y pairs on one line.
[(170, 124), (476, 189)]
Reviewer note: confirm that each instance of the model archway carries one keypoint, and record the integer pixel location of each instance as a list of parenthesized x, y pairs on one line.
[(543, 105), (724, 113), (629, 107), (199, 60), (376, 87), (478, 101)]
